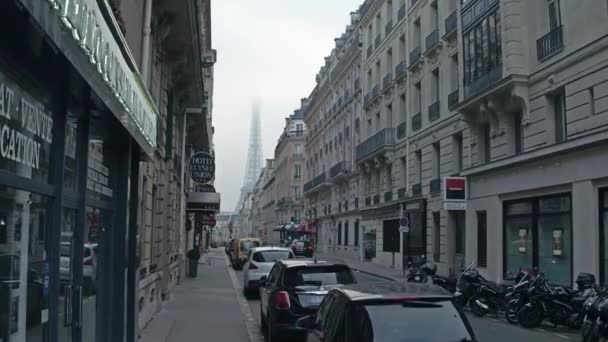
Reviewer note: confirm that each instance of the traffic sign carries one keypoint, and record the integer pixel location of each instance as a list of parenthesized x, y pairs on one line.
[(405, 229), (404, 222)]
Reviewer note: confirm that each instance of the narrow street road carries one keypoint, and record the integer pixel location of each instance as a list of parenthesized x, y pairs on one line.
[(212, 308)]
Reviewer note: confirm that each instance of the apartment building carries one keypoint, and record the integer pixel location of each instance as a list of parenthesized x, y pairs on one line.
[(289, 175), (332, 114)]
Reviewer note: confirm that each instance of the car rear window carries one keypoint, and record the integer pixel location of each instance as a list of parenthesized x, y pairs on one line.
[(271, 256), (408, 321), (330, 275), (303, 243)]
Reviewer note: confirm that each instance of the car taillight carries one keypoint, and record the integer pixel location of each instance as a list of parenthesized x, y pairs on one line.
[(88, 262), (253, 266), (309, 248), (281, 300)]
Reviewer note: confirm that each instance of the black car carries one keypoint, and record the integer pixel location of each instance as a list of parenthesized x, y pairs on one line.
[(387, 312), (302, 248), (294, 289), (228, 247)]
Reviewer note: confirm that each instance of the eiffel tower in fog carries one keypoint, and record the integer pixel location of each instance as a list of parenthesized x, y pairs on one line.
[(254, 156)]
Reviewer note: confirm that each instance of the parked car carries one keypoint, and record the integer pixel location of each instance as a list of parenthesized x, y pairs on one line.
[(241, 249), (259, 265), (302, 248), (228, 248), (294, 289), (386, 312)]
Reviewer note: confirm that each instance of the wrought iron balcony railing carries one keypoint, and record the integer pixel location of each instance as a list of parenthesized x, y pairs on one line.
[(417, 189), (550, 44), (451, 23), (377, 142), (401, 13), (388, 28), (415, 56), (369, 51), (377, 41), (400, 70), (434, 111), (338, 169), (375, 92), (483, 82), (432, 40)]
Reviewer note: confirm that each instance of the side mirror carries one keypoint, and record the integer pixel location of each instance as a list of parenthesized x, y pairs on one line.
[(306, 323), (262, 281)]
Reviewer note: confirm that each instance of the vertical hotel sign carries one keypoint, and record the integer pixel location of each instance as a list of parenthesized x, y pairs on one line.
[(85, 21)]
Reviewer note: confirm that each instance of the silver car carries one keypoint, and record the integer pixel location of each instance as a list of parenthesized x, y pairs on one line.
[(259, 264)]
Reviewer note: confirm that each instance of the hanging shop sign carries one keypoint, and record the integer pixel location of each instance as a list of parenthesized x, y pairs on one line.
[(454, 193), (207, 220), (204, 188), (203, 201), (85, 20), (202, 167)]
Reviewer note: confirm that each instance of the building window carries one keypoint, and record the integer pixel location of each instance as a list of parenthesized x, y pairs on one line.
[(436, 237), (591, 101), (297, 171), (436, 160), (418, 156), (559, 112), (458, 152), (554, 14), (357, 233), (538, 233), (346, 233), (339, 241), (518, 132), (484, 143), (404, 172), (482, 54), (604, 236), (155, 243), (482, 239)]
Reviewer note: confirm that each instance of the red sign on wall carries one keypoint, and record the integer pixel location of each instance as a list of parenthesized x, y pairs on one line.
[(455, 189)]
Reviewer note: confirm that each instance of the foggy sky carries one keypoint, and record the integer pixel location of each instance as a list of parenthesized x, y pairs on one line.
[(268, 51)]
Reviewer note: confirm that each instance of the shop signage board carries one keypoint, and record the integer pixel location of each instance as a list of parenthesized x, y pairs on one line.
[(455, 193), (90, 31), (204, 188), (202, 167)]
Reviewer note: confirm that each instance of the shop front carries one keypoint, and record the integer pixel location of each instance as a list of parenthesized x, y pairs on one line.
[(603, 210), (69, 155)]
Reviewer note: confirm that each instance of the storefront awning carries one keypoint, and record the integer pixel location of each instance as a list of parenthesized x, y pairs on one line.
[(203, 201)]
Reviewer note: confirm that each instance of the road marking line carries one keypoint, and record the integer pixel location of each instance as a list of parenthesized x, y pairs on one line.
[(563, 336), (252, 328)]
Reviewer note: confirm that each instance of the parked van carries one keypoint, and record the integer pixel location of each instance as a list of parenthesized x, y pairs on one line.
[(241, 248)]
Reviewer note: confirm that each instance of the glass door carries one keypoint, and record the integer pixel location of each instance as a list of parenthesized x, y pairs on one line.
[(66, 274)]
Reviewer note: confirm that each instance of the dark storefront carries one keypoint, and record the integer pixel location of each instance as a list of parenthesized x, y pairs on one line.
[(538, 233), (604, 236), (68, 169)]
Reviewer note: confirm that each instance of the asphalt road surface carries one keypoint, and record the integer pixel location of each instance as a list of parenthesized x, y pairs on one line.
[(486, 329)]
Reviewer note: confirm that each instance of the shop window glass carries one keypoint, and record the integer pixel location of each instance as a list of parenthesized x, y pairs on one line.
[(520, 208), (518, 245), (604, 235), (70, 165), (26, 124), (554, 239), (23, 293)]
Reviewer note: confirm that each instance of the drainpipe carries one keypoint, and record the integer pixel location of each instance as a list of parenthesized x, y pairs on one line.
[(145, 45)]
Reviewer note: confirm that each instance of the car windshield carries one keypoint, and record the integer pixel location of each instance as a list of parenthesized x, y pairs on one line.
[(317, 276), (408, 321), (271, 256)]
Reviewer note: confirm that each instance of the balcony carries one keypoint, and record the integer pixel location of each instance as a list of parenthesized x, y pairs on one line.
[(451, 24), (387, 81), (369, 51), (357, 85), (434, 111), (435, 186), (417, 190), (356, 202), (415, 57), (316, 183), (550, 44), (377, 42), (377, 143), (483, 82), (388, 28), (432, 42), (401, 193), (388, 196), (416, 122), (400, 70), (298, 156), (401, 13), (368, 201), (376, 199), (402, 130), (453, 99), (340, 169)]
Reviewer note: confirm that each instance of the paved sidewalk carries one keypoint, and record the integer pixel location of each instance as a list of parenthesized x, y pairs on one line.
[(202, 309), (382, 271)]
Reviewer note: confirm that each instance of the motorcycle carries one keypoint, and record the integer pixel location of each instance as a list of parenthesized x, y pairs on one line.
[(560, 305), (467, 284), (424, 272), (591, 314), (600, 328), (491, 297)]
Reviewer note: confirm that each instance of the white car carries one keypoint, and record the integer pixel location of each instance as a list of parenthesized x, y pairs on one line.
[(259, 264), (89, 264)]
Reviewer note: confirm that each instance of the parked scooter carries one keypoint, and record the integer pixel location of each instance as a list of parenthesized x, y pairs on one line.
[(591, 314), (425, 272), (560, 305), (492, 297), (467, 284)]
